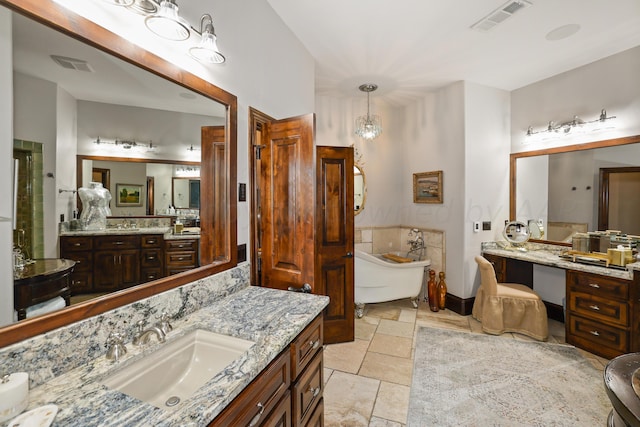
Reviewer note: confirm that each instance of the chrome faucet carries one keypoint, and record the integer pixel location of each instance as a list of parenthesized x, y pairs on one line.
[(142, 336), (115, 346), (416, 243)]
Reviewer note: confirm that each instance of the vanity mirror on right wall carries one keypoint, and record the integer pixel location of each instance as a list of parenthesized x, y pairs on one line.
[(571, 188)]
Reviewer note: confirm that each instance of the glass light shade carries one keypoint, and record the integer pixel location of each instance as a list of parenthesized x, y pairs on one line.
[(368, 127), (207, 50), (120, 2), (166, 23)]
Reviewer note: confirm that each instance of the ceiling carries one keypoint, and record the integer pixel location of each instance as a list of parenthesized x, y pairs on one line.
[(409, 47)]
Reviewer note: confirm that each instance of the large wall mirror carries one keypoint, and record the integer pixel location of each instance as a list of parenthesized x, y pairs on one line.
[(131, 94), (564, 187)]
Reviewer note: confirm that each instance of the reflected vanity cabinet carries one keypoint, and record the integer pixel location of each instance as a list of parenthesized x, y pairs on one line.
[(106, 263), (288, 392), (602, 313)]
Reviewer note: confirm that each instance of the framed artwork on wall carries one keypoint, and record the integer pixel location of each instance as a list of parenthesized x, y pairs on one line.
[(128, 195), (427, 187)]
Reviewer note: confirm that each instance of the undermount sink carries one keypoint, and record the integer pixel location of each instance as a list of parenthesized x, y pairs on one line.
[(176, 370)]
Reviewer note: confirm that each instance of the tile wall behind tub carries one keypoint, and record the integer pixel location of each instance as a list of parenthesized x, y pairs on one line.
[(376, 240), (56, 352)]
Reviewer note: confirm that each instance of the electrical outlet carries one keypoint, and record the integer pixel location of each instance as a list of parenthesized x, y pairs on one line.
[(486, 225), (476, 226)]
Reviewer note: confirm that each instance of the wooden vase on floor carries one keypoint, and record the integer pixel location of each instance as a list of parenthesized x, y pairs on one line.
[(442, 292), (432, 290)]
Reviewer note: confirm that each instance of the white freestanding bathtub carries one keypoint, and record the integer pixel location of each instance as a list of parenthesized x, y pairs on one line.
[(378, 279)]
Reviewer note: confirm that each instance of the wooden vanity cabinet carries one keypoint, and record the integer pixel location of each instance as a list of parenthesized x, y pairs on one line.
[(288, 392), (599, 313), (151, 257), (116, 262), (180, 255), (80, 250)]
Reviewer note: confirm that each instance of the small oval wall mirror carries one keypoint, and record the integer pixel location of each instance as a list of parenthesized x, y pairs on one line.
[(516, 232), (359, 189)]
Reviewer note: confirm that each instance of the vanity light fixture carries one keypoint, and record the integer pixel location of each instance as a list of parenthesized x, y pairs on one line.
[(571, 126), (127, 144), (167, 23), (207, 49), (192, 148), (368, 127)]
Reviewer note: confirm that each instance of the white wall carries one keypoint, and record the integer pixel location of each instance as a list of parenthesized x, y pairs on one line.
[(172, 133), (486, 179), (380, 158), (162, 174), (611, 83), (35, 119), (65, 203), (6, 167)]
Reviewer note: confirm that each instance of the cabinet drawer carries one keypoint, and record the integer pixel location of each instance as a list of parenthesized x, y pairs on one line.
[(151, 241), (181, 245), (84, 261), (597, 308), (116, 242), (499, 266), (307, 391), (180, 259), (602, 286), (260, 397), (81, 282), (598, 333), (281, 414), (149, 274), (72, 244), (305, 346), (317, 418), (151, 258)]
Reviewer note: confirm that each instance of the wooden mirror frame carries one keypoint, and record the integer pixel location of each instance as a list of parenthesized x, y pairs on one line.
[(62, 19), (578, 147)]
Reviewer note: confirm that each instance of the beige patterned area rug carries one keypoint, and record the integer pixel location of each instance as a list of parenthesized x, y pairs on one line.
[(465, 379)]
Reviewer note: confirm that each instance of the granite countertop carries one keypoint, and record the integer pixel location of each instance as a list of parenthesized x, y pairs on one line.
[(271, 318), (167, 232), (549, 255)]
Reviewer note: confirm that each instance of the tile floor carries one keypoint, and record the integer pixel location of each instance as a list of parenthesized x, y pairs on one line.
[(367, 382)]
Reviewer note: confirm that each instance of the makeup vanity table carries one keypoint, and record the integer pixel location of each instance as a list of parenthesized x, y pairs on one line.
[(602, 303)]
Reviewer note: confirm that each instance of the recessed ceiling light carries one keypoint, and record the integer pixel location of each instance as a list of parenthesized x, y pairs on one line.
[(562, 32)]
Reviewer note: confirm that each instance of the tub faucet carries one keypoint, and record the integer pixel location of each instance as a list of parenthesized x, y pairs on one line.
[(416, 243), (142, 336)]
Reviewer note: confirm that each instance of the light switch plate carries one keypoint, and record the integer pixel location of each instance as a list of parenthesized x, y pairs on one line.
[(476, 226)]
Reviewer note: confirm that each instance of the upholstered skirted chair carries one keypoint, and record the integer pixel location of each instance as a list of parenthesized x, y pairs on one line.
[(508, 307)]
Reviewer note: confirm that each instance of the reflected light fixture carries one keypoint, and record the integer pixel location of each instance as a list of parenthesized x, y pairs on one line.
[(207, 49), (368, 127), (575, 125), (127, 144), (166, 22)]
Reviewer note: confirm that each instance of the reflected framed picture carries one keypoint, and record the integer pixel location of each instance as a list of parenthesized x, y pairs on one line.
[(427, 187), (128, 195)]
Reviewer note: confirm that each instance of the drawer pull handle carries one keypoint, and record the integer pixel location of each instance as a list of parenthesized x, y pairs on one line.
[(594, 307), (118, 243), (314, 344), (315, 391), (594, 285), (595, 333), (151, 242), (151, 258), (254, 420), (181, 246), (77, 244)]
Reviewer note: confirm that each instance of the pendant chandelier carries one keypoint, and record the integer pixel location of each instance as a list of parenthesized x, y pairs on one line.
[(368, 127)]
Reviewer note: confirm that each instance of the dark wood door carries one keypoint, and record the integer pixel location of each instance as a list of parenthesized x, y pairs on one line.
[(334, 275), (213, 203), (129, 266), (288, 210), (116, 269)]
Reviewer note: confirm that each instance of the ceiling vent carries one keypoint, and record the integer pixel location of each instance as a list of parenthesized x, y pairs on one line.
[(500, 15), (72, 63)]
